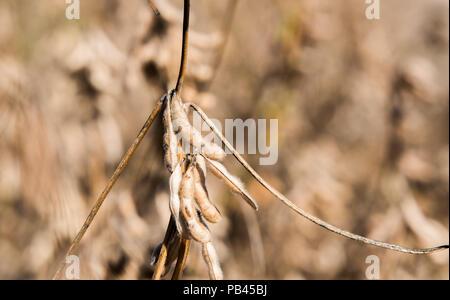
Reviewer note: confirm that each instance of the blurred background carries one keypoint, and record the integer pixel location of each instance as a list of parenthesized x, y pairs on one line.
[(363, 133)]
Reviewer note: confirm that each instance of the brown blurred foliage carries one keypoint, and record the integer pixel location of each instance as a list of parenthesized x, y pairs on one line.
[(363, 133)]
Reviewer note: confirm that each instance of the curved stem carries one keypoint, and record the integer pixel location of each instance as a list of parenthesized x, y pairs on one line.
[(300, 211), (123, 163), (184, 49)]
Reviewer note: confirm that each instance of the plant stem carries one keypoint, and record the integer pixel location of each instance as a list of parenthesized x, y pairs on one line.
[(300, 211), (182, 257), (155, 9), (184, 49), (171, 230), (123, 163)]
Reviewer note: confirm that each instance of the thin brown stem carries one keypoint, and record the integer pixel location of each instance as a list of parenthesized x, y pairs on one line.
[(300, 211), (123, 163), (159, 269), (184, 49), (231, 183), (155, 9), (182, 257)]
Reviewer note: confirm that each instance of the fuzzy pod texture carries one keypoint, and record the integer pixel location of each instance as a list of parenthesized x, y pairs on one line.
[(170, 144), (213, 151), (196, 228), (207, 208), (174, 201), (212, 261), (189, 134), (183, 128)]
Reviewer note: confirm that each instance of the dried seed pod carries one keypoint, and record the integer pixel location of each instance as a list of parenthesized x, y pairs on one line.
[(174, 202), (232, 182), (213, 151), (190, 134), (197, 229), (207, 208), (170, 144), (212, 260), (182, 127)]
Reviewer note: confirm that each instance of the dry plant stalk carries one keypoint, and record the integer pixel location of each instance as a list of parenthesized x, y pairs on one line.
[(155, 9), (189, 202)]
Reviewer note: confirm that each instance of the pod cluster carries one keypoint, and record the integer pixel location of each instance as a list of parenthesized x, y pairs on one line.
[(190, 204)]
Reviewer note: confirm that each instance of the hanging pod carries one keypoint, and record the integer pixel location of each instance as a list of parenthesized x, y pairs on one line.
[(196, 228)]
